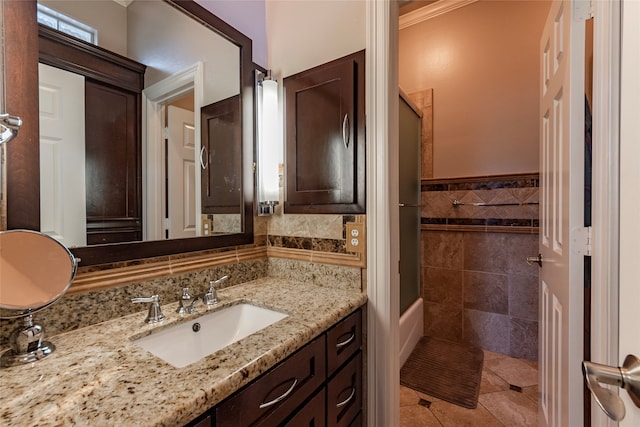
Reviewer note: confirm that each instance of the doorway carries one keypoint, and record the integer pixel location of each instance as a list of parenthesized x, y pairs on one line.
[(480, 205)]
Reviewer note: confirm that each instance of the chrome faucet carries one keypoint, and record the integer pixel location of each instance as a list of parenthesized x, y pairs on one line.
[(186, 303), (155, 313), (211, 297)]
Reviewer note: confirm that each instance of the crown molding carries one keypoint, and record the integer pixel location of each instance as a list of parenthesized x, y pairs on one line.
[(431, 11), (124, 3)]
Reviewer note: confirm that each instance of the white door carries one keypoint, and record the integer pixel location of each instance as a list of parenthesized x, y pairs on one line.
[(562, 207), (629, 340), (63, 213), (181, 173)]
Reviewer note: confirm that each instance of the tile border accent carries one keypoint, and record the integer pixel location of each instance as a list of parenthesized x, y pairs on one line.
[(485, 182), (316, 250), (462, 186), (481, 228), (100, 279), (346, 259)]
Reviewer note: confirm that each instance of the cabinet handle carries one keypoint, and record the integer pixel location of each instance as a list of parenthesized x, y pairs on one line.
[(345, 130), (347, 341), (280, 398), (348, 399), (204, 165)]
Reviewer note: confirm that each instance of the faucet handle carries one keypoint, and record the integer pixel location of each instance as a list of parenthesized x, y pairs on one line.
[(152, 298), (211, 297), (155, 312), (214, 283)]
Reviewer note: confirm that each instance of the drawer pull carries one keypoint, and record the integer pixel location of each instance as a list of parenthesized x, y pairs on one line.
[(347, 341), (280, 398), (348, 399)]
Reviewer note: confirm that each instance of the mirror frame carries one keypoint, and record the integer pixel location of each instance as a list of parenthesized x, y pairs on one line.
[(23, 179)]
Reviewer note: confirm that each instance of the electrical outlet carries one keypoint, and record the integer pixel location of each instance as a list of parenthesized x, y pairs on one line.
[(207, 225), (356, 241)]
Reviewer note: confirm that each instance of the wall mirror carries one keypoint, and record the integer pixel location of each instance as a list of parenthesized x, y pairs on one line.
[(172, 200)]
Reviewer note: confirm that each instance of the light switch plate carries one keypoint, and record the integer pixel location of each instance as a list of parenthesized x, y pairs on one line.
[(356, 237)]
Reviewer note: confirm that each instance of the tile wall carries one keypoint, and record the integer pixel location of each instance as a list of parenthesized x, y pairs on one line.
[(476, 284)]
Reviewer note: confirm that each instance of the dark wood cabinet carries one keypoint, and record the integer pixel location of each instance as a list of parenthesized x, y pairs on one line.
[(325, 138), (113, 142), (221, 157), (319, 385), (114, 200)]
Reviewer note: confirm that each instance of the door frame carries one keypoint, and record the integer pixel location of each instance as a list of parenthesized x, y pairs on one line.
[(629, 292), (153, 99), (382, 29), (605, 190), (383, 278)]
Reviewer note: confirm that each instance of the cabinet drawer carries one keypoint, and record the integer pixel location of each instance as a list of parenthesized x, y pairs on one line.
[(312, 414), (344, 393), (275, 395), (343, 340)]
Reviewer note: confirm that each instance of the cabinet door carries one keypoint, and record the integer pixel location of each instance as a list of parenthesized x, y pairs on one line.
[(113, 172), (324, 125), (221, 157)]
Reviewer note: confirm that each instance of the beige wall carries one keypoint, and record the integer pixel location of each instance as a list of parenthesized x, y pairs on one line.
[(482, 63), (301, 35), (106, 16), (167, 41)]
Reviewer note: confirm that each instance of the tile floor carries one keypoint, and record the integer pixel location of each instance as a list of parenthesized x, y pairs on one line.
[(500, 404)]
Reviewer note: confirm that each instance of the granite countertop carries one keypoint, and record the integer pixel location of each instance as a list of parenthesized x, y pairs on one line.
[(97, 376)]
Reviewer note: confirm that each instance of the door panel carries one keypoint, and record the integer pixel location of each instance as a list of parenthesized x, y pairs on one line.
[(181, 173), (222, 154), (62, 156), (562, 187)]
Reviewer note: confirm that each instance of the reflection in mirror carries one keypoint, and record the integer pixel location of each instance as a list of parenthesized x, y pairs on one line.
[(144, 180), (23, 181), (35, 271)]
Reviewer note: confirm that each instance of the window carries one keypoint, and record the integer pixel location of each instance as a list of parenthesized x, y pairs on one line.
[(66, 24)]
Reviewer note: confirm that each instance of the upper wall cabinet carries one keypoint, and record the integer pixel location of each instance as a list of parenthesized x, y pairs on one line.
[(325, 138)]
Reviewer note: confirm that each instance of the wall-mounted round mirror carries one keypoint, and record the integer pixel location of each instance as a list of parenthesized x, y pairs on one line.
[(35, 271)]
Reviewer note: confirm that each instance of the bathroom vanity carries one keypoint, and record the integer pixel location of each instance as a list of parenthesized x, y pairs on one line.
[(99, 376)]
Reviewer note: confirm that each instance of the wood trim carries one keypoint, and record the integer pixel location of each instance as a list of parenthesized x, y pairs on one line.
[(63, 51), (20, 73), (101, 279)]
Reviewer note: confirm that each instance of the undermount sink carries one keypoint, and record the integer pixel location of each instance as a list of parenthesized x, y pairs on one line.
[(188, 342)]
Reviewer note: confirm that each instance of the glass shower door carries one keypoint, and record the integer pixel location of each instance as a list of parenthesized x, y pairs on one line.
[(409, 191)]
